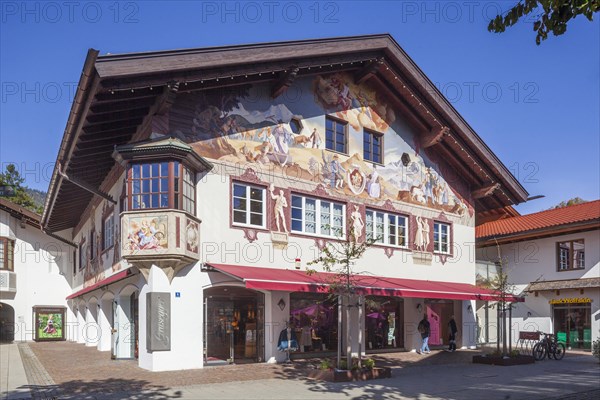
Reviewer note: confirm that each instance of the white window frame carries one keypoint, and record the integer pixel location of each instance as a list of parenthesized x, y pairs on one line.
[(108, 232), (437, 245), (386, 228), (318, 217), (247, 211)]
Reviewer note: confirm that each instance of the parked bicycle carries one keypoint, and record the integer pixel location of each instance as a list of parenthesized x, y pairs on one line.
[(548, 347)]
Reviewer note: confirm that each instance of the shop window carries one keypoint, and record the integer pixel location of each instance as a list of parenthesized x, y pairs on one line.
[(248, 203), (373, 146), (166, 184), (7, 254), (441, 237), (314, 317), (336, 135), (317, 217), (386, 228), (108, 232), (571, 255)]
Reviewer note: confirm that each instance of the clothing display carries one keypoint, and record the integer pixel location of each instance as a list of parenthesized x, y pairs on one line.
[(287, 340)]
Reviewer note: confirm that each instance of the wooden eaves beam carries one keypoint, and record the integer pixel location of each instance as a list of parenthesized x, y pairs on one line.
[(485, 191)]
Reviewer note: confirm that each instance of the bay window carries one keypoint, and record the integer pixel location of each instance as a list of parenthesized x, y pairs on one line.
[(161, 184), (318, 217)]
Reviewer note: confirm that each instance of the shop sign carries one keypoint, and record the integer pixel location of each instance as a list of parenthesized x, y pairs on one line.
[(158, 321), (571, 300)]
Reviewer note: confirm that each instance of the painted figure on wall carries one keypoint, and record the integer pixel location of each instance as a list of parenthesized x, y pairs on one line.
[(238, 126), (147, 234), (357, 224), (280, 205)]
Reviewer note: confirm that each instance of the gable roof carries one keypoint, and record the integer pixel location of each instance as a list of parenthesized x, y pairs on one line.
[(118, 94), (569, 219)]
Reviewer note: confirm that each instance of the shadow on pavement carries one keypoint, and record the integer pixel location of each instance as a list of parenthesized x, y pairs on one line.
[(110, 388)]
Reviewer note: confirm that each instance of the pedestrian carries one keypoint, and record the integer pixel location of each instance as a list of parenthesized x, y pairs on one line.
[(424, 329), (452, 331)]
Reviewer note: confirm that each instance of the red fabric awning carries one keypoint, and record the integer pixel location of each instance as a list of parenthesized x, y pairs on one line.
[(111, 279), (300, 281)]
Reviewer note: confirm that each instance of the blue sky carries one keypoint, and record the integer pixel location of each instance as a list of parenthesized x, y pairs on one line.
[(537, 107)]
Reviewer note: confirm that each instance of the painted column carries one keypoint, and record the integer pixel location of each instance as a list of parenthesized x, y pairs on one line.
[(468, 333), (81, 311)]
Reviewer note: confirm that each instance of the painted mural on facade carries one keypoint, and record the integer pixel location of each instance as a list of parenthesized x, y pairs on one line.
[(147, 233), (290, 136)]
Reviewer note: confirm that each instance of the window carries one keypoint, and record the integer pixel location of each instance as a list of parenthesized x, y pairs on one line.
[(108, 239), (82, 253), (336, 135), (386, 228), (571, 255), (166, 184), (248, 203), (7, 254), (373, 146), (441, 237), (318, 217)]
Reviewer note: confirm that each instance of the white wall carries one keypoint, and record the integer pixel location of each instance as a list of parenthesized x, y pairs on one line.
[(41, 264), (536, 260)]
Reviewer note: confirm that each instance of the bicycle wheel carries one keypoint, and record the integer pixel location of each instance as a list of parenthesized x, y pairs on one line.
[(559, 351), (539, 352)]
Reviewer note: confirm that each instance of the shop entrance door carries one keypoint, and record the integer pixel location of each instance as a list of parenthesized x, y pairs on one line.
[(438, 314), (572, 324), (233, 326)]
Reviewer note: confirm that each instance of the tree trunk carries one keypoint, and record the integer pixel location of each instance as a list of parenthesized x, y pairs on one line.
[(348, 336), (360, 329), (339, 333)]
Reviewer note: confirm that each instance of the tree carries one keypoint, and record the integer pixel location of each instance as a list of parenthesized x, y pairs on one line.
[(570, 202), (500, 284), (13, 179), (554, 15), (339, 258)]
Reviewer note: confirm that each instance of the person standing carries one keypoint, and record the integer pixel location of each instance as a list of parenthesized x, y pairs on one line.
[(425, 330), (452, 331)]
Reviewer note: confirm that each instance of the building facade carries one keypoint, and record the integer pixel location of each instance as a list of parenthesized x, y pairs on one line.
[(552, 258), (199, 184), (33, 271)]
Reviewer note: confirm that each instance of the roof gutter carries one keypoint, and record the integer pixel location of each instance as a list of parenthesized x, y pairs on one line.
[(88, 80)]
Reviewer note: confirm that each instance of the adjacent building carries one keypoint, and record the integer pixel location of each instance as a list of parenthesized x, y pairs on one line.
[(34, 271), (198, 184), (552, 258)]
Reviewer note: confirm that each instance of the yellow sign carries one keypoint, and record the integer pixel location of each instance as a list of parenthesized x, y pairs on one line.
[(571, 300)]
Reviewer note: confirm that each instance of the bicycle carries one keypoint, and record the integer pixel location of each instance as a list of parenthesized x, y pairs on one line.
[(548, 346)]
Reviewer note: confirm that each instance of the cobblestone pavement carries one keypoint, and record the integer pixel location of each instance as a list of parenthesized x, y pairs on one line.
[(64, 370)]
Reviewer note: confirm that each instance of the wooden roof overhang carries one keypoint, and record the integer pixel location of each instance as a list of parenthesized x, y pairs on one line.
[(118, 94)]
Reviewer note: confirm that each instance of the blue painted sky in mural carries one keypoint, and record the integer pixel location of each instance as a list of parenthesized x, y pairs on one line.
[(535, 106)]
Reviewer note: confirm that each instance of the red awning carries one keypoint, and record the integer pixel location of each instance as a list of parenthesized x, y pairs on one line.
[(299, 281), (111, 279)]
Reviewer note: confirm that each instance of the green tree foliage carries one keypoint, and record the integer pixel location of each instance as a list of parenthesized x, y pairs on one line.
[(339, 258), (570, 202), (11, 177), (551, 16)]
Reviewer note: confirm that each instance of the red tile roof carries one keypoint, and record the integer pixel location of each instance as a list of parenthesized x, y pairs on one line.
[(544, 219)]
